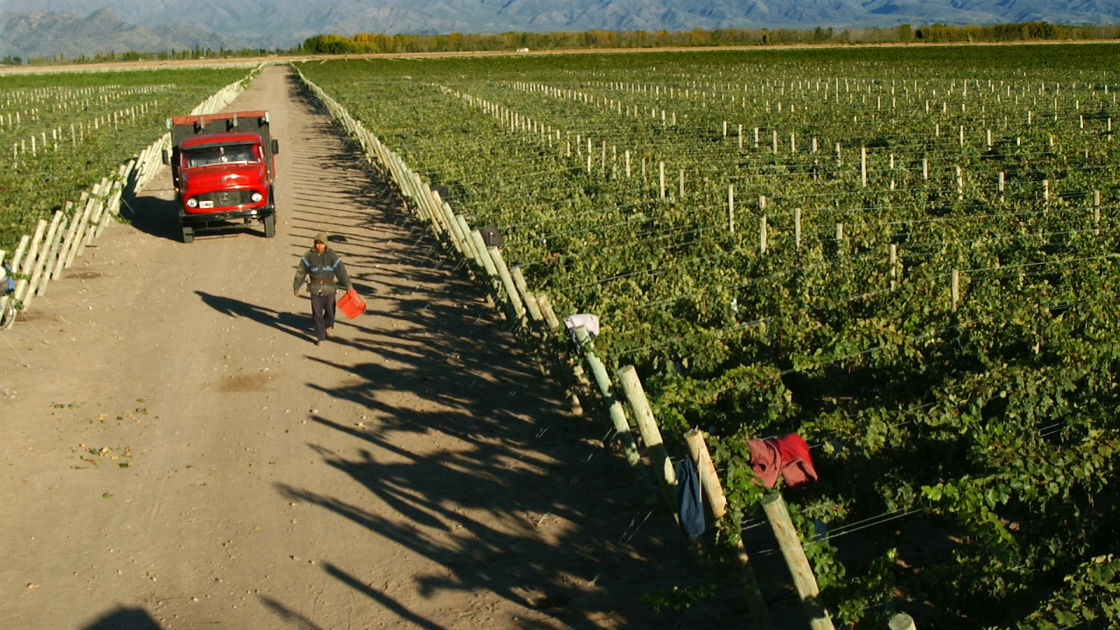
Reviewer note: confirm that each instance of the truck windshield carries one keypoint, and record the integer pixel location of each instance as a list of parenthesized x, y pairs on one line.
[(228, 154)]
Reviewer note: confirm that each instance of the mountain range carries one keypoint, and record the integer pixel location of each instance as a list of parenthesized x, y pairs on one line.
[(49, 28)]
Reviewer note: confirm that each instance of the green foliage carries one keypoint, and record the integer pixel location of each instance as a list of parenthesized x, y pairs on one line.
[(681, 597), (84, 126), (1089, 597), (402, 42), (990, 422)]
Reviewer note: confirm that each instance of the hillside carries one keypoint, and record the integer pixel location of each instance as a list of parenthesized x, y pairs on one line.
[(52, 34), (50, 27)]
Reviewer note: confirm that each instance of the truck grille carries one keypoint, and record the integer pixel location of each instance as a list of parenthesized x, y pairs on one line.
[(224, 198)]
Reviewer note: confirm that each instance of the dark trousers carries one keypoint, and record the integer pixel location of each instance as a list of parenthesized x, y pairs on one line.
[(322, 314)]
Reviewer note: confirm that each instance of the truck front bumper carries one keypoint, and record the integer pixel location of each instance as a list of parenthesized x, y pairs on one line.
[(201, 219)]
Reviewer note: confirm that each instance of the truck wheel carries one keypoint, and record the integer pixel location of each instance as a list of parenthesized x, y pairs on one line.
[(188, 234), (270, 226)]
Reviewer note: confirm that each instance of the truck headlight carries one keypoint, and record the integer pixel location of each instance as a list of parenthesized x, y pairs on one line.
[(192, 203), (256, 196)]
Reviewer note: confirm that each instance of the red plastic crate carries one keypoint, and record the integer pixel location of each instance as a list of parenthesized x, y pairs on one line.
[(351, 304)]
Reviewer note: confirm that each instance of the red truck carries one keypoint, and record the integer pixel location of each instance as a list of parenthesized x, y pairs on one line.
[(223, 167)]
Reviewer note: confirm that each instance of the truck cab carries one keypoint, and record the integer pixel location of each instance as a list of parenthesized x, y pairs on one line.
[(223, 168)]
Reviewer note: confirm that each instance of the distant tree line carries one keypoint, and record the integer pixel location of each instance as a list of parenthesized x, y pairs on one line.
[(938, 33), (112, 56), (462, 42)]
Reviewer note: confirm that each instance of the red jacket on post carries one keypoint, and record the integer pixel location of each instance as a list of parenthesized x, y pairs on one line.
[(787, 456)]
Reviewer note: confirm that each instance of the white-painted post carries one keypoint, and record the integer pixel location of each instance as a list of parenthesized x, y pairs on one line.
[(894, 266), (731, 208), (1096, 212), (955, 289), (863, 166), (797, 228)]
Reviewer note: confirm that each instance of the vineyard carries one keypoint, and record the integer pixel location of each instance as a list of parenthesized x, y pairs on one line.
[(909, 256), (61, 133)]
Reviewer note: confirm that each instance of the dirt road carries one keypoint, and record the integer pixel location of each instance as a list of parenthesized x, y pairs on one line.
[(178, 454)]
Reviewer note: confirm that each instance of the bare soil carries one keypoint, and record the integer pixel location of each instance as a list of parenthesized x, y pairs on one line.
[(179, 454)]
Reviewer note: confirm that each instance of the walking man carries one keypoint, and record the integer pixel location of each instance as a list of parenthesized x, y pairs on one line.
[(324, 272)]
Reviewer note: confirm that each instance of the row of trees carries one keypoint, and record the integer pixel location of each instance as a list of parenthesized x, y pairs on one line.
[(131, 55), (460, 42), (457, 42)]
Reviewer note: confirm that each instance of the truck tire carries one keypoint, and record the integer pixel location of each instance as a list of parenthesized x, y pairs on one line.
[(270, 225), (188, 234)]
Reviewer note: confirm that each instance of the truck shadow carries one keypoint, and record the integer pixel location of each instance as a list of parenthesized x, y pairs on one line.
[(151, 215), (160, 218)]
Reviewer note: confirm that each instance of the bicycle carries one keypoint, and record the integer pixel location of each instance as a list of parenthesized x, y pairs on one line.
[(7, 298)]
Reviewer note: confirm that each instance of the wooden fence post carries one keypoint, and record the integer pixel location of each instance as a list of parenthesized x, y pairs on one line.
[(803, 579), (37, 279), (651, 435), (469, 248), (26, 266), (68, 237), (549, 313), (97, 215), (54, 253), (507, 282), (713, 491), (614, 409), (81, 222), (523, 288), (901, 621), (453, 227), (484, 257)]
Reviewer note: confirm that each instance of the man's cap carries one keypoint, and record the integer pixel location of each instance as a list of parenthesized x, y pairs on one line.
[(320, 238)]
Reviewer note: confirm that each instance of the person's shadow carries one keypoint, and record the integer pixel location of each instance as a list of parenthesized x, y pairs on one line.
[(133, 618), (291, 323)]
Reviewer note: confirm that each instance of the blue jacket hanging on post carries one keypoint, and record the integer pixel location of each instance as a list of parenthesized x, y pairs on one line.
[(323, 272), (690, 503), (7, 283)]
